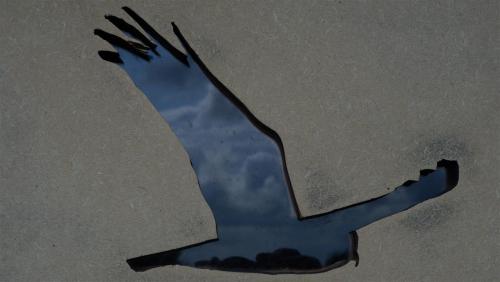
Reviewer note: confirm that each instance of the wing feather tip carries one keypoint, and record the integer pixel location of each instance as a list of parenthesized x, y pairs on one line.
[(452, 172)]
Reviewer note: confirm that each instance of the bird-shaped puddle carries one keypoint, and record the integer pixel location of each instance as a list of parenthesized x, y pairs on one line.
[(240, 166)]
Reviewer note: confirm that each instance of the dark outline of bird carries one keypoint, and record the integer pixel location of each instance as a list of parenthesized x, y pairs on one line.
[(241, 169)]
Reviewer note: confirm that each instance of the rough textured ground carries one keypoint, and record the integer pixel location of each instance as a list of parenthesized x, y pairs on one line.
[(364, 94)]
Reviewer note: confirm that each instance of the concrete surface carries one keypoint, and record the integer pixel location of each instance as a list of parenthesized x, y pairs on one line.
[(363, 93)]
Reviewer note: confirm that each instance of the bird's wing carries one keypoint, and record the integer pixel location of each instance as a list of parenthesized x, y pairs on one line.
[(238, 160)]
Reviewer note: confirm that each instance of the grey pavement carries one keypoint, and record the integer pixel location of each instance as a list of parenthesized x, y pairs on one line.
[(364, 94)]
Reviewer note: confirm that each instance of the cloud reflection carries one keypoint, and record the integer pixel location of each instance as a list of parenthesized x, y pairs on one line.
[(241, 172)]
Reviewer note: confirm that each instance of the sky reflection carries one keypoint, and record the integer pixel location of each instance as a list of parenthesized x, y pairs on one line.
[(242, 176)]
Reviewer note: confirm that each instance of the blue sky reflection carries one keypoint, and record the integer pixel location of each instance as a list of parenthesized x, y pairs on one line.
[(242, 176)]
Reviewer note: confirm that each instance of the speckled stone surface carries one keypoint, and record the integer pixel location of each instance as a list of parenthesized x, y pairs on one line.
[(364, 94)]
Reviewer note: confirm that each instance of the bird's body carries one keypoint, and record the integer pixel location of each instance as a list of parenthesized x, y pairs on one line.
[(241, 170)]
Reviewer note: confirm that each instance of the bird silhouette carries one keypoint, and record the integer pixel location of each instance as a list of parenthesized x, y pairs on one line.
[(241, 170)]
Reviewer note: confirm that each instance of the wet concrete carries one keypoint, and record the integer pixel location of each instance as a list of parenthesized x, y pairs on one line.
[(363, 94)]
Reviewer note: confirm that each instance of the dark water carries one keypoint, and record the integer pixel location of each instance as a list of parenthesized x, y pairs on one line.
[(241, 171)]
